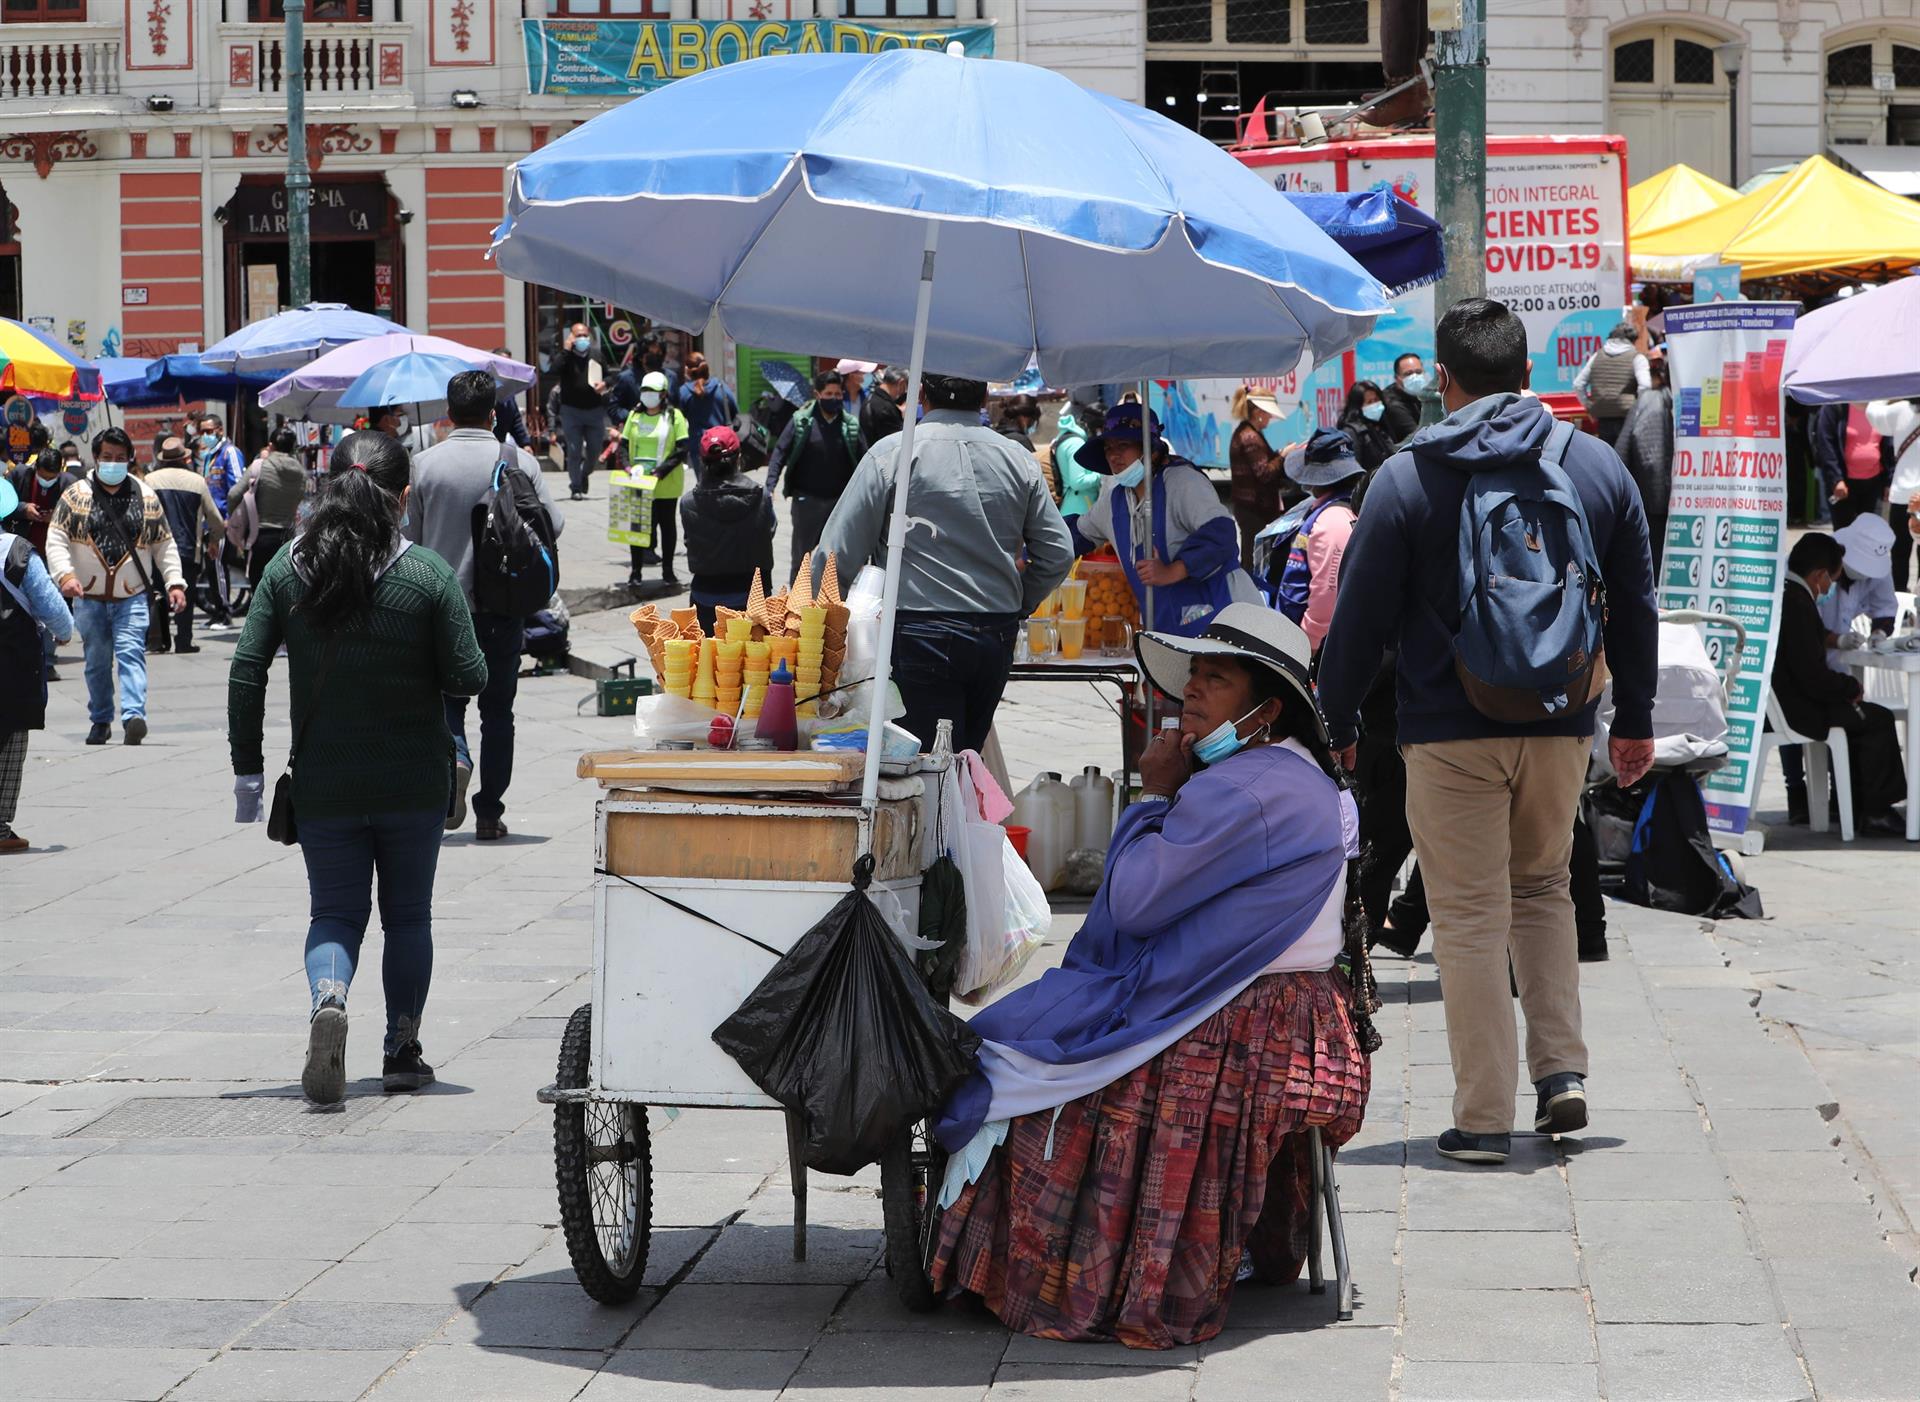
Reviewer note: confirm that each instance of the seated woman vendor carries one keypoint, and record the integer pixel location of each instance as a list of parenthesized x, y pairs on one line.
[(1137, 1123), (1182, 541)]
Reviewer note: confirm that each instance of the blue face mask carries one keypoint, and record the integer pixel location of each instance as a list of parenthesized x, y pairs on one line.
[(1373, 412), (1132, 476), (44, 480), (111, 474), (406, 517), (1223, 740), (582, 345), (1414, 383)]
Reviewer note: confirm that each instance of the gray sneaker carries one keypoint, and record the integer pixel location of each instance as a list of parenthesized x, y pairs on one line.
[(325, 1079), (1562, 1106), (457, 814)]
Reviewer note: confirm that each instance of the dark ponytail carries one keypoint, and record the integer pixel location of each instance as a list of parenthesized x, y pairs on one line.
[(354, 529)]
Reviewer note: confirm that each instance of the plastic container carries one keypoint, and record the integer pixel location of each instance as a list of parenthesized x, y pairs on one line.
[(1093, 809), (1073, 598), (777, 720), (1018, 837), (1073, 637), (1048, 809)]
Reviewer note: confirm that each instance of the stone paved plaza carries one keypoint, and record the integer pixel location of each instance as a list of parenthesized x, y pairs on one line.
[(175, 1224)]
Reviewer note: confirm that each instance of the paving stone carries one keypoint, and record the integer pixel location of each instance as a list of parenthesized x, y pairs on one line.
[(1498, 1326), (158, 1324), (1430, 1380), (1859, 1365), (419, 1282), (524, 1314), (1604, 1176), (98, 1372), (680, 1375), (303, 1324), (1461, 1198), (1795, 1176), (943, 1366), (42, 1277), (780, 1317), (1489, 1260), (1658, 1281), (503, 1243), (466, 1373), (1801, 1229), (700, 1199), (263, 1375), (1856, 1292), (1023, 1349), (1067, 1382), (1771, 1130), (755, 1254), (1674, 1228), (1239, 1364), (1699, 1363), (194, 1279)]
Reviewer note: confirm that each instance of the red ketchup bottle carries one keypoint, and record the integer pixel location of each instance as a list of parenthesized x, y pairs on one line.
[(777, 722)]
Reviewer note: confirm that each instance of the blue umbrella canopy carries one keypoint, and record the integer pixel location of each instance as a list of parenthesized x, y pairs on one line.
[(294, 337), (190, 377), (1091, 233), (1386, 235), (123, 379), (417, 378)]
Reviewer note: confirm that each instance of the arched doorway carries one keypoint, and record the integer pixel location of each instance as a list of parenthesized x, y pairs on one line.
[(1667, 94), (354, 233)]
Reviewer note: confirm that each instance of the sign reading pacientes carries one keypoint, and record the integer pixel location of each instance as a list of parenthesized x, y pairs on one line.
[(569, 57), (1726, 546)]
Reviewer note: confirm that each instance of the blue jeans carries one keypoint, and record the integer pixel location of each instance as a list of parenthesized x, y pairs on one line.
[(110, 633), (952, 666), (501, 640), (343, 856)]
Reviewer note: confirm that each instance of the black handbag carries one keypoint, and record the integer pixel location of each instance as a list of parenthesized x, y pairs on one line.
[(281, 826)]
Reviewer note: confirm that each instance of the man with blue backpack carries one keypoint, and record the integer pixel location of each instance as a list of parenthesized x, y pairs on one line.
[(1505, 556)]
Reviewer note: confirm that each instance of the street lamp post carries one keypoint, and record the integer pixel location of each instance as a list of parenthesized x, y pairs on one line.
[(293, 67), (1732, 53)]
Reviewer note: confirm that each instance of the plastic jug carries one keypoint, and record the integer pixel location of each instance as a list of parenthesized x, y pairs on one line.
[(777, 722), (1046, 808), (1093, 809)]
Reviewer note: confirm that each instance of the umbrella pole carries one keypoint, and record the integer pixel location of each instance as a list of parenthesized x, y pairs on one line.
[(897, 526), (1146, 456)]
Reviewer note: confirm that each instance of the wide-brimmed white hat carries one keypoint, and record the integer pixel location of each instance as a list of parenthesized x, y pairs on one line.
[(1248, 633), (1868, 541)]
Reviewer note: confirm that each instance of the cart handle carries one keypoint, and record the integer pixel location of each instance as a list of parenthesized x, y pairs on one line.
[(1719, 620)]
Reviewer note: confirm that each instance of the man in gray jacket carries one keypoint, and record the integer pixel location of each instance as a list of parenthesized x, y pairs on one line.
[(451, 481), (975, 503)]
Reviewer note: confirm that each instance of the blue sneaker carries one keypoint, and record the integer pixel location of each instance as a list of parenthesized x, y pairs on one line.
[(1475, 1148), (1563, 1103)]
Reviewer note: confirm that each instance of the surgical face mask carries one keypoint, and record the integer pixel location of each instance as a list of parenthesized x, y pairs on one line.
[(1414, 383), (209, 439), (111, 474), (581, 345), (406, 518), (45, 480), (1223, 740), (1373, 412), (651, 400), (1132, 476)]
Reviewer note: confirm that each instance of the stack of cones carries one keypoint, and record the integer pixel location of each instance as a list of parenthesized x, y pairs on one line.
[(806, 628)]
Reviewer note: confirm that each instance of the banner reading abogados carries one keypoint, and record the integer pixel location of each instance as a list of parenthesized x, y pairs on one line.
[(571, 57)]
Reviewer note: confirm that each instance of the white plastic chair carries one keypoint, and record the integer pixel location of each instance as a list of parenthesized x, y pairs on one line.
[(1816, 750)]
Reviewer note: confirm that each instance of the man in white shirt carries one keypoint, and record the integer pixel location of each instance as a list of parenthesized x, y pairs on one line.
[(1899, 421)]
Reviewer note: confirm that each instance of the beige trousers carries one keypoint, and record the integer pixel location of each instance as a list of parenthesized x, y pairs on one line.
[(1492, 823)]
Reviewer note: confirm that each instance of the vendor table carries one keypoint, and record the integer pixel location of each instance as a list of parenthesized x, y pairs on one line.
[(1860, 660), (1122, 673)]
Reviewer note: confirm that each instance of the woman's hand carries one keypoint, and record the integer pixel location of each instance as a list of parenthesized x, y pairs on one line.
[(1156, 572), (1167, 763)]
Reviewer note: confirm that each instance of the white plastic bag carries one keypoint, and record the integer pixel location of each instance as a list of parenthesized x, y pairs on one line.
[(994, 959), (663, 716), (863, 649)]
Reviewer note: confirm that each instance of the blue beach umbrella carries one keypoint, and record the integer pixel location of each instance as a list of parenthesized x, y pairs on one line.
[(1386, 235), (417, 378), (294, 337), (1069, 228)]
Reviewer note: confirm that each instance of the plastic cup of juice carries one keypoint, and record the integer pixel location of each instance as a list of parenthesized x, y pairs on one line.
[(1073, 636), (1048, 606), (1073, 598), (1040, 636)]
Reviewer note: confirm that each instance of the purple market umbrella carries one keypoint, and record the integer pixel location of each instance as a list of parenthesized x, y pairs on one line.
[(313, 391), (1859, 348)]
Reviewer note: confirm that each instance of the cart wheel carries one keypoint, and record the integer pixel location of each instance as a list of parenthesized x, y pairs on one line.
[(910, 1173), (603, 1166)]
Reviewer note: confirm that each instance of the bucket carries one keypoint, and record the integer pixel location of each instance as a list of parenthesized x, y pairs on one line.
[(1018, 837)]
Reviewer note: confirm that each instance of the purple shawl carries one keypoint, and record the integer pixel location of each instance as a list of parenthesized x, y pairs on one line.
[(1200, 895)]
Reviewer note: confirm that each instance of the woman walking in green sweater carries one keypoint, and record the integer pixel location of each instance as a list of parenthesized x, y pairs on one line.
[(376, 631)]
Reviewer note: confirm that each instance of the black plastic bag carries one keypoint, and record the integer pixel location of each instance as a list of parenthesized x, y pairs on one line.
[(943, 924), (843, 1034), (1673, 864)]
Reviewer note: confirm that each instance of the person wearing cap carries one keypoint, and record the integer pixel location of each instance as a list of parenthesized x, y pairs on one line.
[(451, 480), (816, 456), (1221, 968), (1310, 579), (728, 522), (32, 617), (1077, 487), (187, 498), (1180, 542), (1254, 466), (975, 503), (658, 442), (1864, 588)]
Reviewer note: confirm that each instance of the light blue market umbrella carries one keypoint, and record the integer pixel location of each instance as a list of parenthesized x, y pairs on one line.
[(294, 337), (1087, 234), (417, 379)]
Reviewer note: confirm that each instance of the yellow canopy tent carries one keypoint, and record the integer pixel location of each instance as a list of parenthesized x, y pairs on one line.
[(1817, 218), (1677, 193)]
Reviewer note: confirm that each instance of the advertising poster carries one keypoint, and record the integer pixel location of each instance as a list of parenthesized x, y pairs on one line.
[(630, 508), (1726, 546), (612, 58), (1556, 254)]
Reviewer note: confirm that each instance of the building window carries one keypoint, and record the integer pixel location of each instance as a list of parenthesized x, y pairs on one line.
[(1692, 63), (1851, 67), (1337, 22), (1259, 22), (890, 9), (1906, 67), (43, 11), (1633, 62), (318, 11), (1181, 21)]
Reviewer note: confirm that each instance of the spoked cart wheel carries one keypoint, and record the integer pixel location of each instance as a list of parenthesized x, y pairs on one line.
[(910, 1174), (603, 1167)]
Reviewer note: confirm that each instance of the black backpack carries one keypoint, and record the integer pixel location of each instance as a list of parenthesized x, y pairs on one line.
[(1673, 864), (516, 564)]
